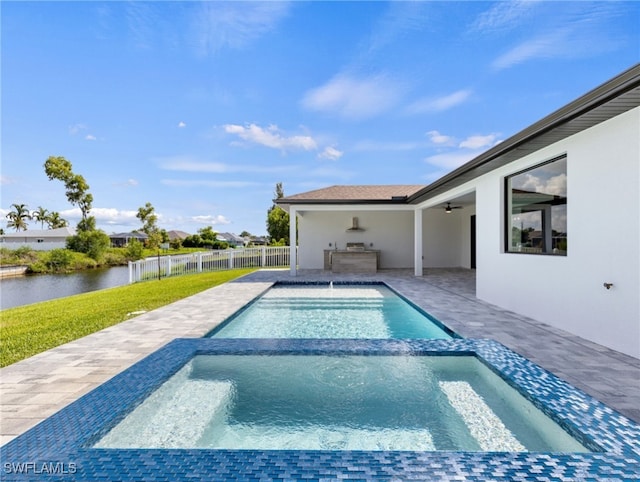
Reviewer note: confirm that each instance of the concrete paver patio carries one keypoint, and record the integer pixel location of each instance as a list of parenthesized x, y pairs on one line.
[(33, 389)]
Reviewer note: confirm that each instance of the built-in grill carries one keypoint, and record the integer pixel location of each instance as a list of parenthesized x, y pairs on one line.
[(355, 246)]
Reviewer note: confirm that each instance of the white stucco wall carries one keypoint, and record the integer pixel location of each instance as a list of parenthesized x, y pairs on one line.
[(390, 232), (603, 225), (43, 246), (447, 238)]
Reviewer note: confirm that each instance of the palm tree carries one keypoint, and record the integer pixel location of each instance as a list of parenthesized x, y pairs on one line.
[(55, 221), (41, 215), (18, 218)]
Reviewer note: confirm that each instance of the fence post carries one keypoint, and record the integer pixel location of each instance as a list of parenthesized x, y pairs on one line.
[(168, 258), (199, 254), (230, 252), (264, 256), (130, 272)]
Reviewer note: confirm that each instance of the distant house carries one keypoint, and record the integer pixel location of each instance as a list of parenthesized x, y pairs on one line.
[(175, 234), (122, 239), (233, 239), (258, 240), (38, 239)]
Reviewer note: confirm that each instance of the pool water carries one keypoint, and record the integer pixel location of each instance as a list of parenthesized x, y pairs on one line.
[(331, 402), (331, 311)]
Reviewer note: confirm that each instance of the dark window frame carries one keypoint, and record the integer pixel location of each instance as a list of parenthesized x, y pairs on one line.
[(507, 214)]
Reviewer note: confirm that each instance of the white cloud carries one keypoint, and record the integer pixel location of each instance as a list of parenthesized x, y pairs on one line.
[(579, 33), (182, 124), (467, 150), (271, 137), (211, 219), (546, 46), (440, 139), (331, 153), (353, 98), (399, 19), (104, 216), (4, 180), (439, 104), (504, 15), (234, 24), (90, 137), (132, 182), (556, 185), (476, 142)]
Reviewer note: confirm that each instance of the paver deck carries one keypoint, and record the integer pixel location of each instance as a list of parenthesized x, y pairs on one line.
[(33, 389)]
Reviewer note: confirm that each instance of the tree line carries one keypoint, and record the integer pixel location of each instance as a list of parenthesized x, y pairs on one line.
[(94, 242)]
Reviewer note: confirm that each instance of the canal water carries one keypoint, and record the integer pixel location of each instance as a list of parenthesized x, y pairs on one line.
[(24, 290)]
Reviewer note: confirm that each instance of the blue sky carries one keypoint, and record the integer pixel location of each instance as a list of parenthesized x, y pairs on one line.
[(200, 108)]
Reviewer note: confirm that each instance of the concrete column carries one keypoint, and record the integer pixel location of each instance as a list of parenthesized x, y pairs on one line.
[(292, 240), (417, 242)]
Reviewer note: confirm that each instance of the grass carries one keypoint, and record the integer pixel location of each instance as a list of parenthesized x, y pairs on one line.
[(28, 330)]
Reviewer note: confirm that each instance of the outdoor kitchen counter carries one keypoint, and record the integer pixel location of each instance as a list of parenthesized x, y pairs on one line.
[(352, 261)]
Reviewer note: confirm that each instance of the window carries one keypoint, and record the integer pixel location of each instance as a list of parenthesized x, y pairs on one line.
[(536, 202)]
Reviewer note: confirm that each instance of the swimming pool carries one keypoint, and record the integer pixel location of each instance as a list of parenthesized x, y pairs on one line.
[(71, 435), (320, 402), (331, 310)]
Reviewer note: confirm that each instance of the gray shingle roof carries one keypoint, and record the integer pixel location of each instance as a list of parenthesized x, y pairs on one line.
[(360, 193)]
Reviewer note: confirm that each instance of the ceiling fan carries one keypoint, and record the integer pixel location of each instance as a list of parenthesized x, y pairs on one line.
[(449, 208)]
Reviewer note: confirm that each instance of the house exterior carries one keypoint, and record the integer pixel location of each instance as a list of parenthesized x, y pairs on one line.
[(121, 240), (232, 239), (549, 219), (176, 234), (38, 239)]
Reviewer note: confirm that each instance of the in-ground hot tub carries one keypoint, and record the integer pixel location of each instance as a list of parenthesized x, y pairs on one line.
[(611, 441)]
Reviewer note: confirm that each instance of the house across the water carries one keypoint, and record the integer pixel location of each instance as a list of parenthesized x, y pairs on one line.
[(549, 219), (38, 239), (122, 239)]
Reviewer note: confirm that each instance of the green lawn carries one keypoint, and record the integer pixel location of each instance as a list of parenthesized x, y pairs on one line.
[(28, 330)]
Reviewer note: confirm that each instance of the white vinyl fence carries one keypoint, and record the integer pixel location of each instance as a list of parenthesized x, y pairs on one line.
[(174, 265)]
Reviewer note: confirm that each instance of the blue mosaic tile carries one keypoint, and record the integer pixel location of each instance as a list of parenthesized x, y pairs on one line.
[(60, 448)]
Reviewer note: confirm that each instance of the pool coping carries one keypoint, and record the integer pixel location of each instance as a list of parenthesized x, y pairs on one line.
[(64, 438)]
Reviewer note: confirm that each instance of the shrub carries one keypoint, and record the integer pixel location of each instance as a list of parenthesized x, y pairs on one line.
[(134, 250), (37, 268), (93, 243), (59, 259)]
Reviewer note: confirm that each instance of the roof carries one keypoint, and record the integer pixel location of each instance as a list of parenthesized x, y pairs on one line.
[(614, 97), (371, 194), (129, 235), (42, 233), (230, 237), (176, 234)]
